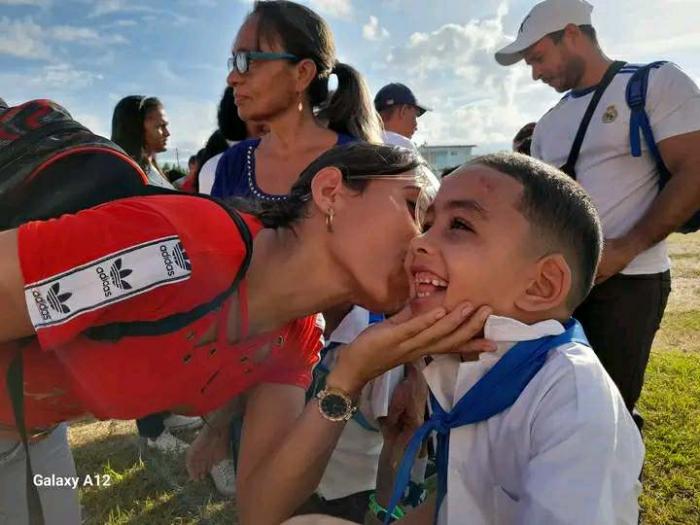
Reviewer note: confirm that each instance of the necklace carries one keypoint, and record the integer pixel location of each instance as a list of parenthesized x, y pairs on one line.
[(257, 193)]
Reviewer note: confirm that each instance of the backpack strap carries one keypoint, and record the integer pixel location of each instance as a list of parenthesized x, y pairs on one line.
[(15, 388), (636, 96), (570, 167)]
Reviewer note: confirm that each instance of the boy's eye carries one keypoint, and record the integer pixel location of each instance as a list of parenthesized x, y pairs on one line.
[(411, 207)]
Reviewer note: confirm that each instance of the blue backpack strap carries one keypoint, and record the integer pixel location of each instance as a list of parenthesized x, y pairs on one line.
[(636, 96)]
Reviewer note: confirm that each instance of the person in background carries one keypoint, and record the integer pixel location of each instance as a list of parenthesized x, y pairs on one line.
[(522, 141), (282, 58), (231, 130), (400, 110), (624, 310), (140, 127)]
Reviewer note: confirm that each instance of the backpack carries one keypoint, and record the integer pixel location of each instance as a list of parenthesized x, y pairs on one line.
[(639, 125), (51, 165)]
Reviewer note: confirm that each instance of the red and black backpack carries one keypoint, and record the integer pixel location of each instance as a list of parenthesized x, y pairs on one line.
[(51, 165)]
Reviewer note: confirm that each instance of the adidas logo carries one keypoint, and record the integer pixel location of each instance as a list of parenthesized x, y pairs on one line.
[(180, 257), (118, 275), (57, 299)]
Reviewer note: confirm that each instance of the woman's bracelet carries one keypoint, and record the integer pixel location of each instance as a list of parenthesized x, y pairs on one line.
[(380, 512)]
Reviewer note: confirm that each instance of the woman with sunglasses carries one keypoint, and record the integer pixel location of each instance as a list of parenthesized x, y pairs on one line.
[(116, 327), (283, 57)]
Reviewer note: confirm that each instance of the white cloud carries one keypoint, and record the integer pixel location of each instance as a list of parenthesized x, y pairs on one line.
[(72, 34), (108, 7), (66, 76), (27, 39), (162, 68), (475, 101), (335, 8), (38, 3), (22, 39), (372, 30)]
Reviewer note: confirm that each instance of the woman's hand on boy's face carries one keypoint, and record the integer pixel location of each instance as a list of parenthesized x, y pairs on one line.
[(403, 339)]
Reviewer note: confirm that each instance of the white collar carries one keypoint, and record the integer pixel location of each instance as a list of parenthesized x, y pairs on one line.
[(351, 326), (449, 379)]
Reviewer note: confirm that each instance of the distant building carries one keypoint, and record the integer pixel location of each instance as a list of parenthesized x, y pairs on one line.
[(441, 157)]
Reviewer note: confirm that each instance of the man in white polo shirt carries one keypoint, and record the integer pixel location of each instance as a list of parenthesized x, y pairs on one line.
[(400, 110), (623, 312)]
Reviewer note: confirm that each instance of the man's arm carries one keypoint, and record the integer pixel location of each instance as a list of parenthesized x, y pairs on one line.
[(676, 203)]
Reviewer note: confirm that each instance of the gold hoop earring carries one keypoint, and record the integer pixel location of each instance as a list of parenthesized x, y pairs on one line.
[(329, 220)]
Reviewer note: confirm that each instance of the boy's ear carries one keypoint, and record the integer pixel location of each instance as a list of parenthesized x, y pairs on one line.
[(326, 187), (550, 285)]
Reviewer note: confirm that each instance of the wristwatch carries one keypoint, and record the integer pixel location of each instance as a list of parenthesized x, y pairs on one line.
[(335, 405)]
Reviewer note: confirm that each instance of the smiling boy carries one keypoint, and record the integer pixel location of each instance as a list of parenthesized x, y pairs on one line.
[(518, 235)]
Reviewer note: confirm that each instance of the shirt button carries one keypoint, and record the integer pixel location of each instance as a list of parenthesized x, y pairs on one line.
[(187, 358), (190, 335), (280, 340), (244, 358), (247, 370), (212, 352)]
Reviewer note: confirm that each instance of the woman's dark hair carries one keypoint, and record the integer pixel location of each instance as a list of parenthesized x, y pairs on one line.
[(359, 163), (127, 125), (230, 124), (303, 33)]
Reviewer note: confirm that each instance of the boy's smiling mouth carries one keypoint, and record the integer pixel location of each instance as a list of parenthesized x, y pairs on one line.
[(427, 283)]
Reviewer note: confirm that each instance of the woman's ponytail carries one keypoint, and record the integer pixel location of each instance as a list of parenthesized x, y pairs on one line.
[(350, 109)]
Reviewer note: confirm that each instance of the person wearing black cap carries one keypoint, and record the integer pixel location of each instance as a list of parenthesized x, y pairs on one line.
[(399, 110)]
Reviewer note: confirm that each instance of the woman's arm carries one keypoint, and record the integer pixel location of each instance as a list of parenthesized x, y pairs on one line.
[(286, 447), (14, 317)]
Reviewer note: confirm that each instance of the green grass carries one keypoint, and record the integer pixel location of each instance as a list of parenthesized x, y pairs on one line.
[(152, 489), (671, 408)]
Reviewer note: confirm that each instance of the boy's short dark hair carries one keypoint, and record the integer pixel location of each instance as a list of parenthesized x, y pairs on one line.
[(560, 213)]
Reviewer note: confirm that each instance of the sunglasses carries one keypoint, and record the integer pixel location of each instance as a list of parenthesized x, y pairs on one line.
[(240, 60)]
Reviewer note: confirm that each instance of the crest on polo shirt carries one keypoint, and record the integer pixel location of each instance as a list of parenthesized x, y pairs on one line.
[(610, 115), (119, 276)]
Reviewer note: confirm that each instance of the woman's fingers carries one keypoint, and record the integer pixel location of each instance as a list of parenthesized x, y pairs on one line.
[(451, 340), (396, 332), (452, 327)]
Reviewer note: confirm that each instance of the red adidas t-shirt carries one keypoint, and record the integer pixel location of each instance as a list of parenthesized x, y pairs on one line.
[(140, 260)]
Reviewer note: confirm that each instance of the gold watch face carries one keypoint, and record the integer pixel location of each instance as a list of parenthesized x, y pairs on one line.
[(334, 406)]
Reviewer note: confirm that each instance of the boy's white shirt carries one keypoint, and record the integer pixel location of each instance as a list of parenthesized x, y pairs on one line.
[(566, 452), (353, 464)]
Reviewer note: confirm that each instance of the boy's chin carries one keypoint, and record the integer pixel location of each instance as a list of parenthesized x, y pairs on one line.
[(421, 305)]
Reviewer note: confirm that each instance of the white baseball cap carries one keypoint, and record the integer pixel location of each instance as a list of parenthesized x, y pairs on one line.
[(546, 17)]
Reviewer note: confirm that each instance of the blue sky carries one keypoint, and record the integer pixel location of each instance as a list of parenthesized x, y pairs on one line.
[(87, 54)]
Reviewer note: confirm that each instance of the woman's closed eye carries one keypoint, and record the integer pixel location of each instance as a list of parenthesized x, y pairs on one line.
[(460, 224)]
